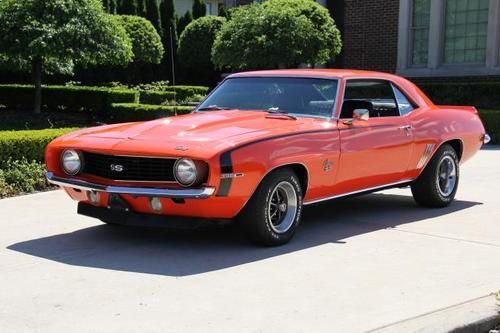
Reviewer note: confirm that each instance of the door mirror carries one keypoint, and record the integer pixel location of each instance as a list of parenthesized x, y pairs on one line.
[(361, 114)]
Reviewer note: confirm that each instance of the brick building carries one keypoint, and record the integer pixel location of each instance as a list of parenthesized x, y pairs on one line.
[(432, 39)]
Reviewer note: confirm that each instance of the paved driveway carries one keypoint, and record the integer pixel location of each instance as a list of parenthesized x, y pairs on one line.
[(355, 265)]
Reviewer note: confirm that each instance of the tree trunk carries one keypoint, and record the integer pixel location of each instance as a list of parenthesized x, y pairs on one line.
[(37, 78)]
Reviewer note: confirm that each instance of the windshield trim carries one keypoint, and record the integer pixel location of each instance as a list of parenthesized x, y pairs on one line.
[(333, 78)]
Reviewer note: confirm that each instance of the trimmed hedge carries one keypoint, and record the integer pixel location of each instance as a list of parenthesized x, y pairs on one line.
[(125, 112), (73, 98), (491, 121), (156, 97), (484, 95), (27, 145), (184, 93)]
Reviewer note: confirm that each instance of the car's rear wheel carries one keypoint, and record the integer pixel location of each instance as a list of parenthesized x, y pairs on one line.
[(273, 213), (438, 183)]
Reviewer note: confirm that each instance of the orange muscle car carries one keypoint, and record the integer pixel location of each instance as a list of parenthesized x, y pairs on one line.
[(264, 144)]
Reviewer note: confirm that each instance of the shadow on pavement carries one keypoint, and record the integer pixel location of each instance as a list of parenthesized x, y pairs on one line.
[(180, 254)]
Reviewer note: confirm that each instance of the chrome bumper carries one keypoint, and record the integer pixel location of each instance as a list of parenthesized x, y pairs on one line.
[(201, 193), (486, 138)]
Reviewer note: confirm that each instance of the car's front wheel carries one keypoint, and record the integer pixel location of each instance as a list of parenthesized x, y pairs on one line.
[(273, 213), (438, 183)]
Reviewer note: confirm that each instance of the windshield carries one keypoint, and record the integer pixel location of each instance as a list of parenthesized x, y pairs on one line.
[(298, 96)]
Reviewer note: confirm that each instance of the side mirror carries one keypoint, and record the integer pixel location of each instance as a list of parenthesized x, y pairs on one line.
[(358, 114), (361, 114)]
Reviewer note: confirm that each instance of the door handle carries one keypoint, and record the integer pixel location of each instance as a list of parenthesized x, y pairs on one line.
[(406, 127)]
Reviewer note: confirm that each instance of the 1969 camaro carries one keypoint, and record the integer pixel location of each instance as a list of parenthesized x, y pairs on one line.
[(264, 144)]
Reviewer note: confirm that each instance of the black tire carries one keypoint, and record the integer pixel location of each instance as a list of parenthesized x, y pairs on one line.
[(429, 189), (255, 217)]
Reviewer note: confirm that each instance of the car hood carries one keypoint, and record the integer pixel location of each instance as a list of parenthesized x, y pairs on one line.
[(201, 134), (197, 127)]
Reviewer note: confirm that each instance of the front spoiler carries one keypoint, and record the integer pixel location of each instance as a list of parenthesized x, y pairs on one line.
[(130, 218), (199, 193)]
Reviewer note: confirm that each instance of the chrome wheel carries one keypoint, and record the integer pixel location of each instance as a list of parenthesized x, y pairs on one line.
[(282, 207), (446, 176)]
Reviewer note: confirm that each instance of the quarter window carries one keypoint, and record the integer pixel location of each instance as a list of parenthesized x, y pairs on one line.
[(404, 105)]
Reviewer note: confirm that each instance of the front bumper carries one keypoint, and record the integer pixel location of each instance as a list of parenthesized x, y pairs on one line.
[(200, 193), (129, 218)]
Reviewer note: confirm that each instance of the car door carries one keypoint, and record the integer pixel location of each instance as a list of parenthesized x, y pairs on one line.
[(374, 152)]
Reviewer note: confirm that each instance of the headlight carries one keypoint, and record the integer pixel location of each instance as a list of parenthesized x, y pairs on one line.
[(71, 162), (185, 171)]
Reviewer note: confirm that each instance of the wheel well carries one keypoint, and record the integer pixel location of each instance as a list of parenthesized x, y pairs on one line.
[(457, 145), (301, 172)]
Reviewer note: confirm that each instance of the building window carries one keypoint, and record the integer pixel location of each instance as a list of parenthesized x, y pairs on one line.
[(466, 31), (420, 31)]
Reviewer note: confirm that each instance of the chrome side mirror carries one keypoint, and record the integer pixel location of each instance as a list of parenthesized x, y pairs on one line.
[(361, 114), (358, 114)]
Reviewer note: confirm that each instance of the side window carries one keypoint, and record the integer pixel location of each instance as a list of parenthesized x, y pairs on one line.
[(404, 104), (375, 95)]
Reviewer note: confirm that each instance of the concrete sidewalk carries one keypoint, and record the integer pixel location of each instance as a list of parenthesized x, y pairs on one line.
[(372, 263)]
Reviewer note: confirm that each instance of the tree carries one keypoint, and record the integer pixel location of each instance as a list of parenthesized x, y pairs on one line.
[(129, 7), (197, 40), (53, 35), (141, 8), (277, 34), (223, 12), (106, 4), (153, 14), (183, 22), (113, 7), (170, 40), (199, 9), (146, 42)]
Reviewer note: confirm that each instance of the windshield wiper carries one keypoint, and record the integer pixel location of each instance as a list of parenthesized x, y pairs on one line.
[(213, 108), (279, 112)]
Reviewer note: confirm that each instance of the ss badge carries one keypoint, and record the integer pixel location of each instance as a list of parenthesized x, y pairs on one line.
[(117, 167)]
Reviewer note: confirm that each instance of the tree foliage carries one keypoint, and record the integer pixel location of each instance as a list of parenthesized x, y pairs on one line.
[(129, 7), (54, 35), (199, 9), (277, 33), (146, 42), (153, 14), (183, 21), (197, 40)]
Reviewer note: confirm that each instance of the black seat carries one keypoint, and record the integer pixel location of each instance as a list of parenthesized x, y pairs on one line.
[(350, 105)]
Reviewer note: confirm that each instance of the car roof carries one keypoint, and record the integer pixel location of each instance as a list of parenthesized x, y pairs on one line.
[(317, 72)]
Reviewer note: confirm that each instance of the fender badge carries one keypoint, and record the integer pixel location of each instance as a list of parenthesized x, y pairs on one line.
[(327, 165), (181, 148), (231, 175)]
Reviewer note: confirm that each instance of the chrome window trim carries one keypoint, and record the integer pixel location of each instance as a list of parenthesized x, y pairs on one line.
[(198, 193)]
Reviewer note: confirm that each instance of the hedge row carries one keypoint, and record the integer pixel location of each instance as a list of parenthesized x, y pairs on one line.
[(29, 145), (491, 121), (484, 95), (156, 97), (184, 93), (75, 98), (125, 112)]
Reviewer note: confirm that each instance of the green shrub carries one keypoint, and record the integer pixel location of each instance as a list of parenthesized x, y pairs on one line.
[(484, 95), (153, 86), (70, 98), (491, 121), (156, 97), (29, 145), (125, 112), (22, 176), (184, 93)]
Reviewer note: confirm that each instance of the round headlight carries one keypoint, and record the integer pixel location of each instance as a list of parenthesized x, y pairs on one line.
[(71, 162), (185, 171)]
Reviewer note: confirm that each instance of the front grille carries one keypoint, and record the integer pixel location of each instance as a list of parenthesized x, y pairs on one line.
[(129, 168)]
